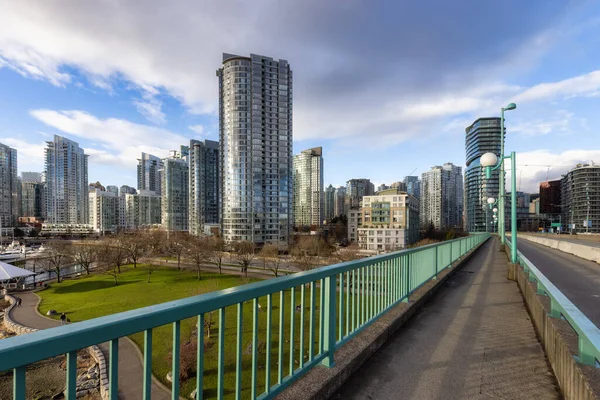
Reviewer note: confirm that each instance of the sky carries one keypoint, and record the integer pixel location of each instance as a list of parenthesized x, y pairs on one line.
[(387, 88)]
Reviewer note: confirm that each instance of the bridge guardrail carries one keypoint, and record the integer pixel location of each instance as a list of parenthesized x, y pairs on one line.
[(561, 307), (340, 300)]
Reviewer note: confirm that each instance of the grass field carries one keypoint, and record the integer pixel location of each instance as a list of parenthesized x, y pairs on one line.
[(95, 295)]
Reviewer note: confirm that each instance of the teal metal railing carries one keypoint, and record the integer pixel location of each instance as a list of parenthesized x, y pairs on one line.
[(561, 307), (335, 303)]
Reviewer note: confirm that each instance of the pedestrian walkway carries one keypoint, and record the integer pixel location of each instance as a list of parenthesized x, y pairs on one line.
[(473, 340), (130, 365)]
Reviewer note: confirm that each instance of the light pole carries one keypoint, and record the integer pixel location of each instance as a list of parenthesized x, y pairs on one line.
[(491, 202), (491, 162), (502, 192)]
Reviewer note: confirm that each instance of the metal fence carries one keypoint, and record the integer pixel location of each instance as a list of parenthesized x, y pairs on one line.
[(561, 307), (305, 317)]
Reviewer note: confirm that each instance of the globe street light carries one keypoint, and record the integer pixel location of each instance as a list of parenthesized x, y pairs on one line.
[(491, 162)]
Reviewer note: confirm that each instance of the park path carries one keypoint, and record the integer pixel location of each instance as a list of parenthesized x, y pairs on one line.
[(130, 365)]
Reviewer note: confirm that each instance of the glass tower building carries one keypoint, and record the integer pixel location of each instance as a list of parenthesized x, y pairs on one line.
[(148, 173), (483, 136), (581, 198), (308, 187), (255, 131), (66, 176), (9, 191), (329, 203), (204, 184), (175, 193)]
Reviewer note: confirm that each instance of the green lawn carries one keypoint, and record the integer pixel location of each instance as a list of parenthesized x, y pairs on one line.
[(95, 296)]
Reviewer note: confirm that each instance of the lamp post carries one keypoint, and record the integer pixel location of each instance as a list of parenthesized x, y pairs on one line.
[(491, 202), (491, 162)]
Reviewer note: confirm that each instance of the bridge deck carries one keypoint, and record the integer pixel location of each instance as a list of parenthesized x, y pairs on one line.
[(473, 340)]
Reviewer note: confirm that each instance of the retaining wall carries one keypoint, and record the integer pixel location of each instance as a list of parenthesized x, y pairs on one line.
[(580, 250)]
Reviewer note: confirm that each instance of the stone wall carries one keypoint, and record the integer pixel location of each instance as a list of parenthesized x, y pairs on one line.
[(94, 351)]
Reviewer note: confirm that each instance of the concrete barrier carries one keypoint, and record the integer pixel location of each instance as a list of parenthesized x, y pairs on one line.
[(580, 250)]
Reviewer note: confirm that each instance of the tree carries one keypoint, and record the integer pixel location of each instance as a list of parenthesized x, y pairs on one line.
[(270, 255), (216, 248), (112, 258), (176, 246), (57, 255), (244, 253), (199, 250), (135, 245), (84, 255), (308, 250), (209, 317), (346, 254), (150, 268)]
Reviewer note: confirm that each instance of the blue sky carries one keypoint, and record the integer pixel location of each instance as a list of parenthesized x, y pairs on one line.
[(386, 88)]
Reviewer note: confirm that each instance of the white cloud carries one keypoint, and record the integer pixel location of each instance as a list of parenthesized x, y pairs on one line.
[(563, 122), (151, 108), (581, 85), (120, 141), (199, 129), (30, 156)]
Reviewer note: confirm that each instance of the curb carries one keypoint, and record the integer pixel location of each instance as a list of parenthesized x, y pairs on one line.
[(320, 383)]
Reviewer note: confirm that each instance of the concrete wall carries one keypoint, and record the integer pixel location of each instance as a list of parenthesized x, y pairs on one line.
[(576, 381), (94, 351), (580, 250)]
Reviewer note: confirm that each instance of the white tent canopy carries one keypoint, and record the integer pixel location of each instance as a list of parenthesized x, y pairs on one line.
[(8, 272)]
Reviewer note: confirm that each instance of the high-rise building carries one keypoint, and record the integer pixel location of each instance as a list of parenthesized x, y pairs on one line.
[(413, 185), (10, 206), (66, 174), (483, 136), (142, 209), (255, 131), (550, 197), (340, 201), (442, 197), (112, 189), (32, 195), (204, 185), (175, 194), (581, 198), (329, 203), (104, 211), (308, 187), (382, 187), (127, 190), (148, 173), (401, 186), (389, 221), (356, 189)]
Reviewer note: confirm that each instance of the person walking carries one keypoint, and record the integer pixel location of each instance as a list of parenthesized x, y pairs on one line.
[(19, 302), (63, 319)]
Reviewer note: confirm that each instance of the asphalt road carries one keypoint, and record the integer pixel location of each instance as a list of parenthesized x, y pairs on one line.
[(577, 278)]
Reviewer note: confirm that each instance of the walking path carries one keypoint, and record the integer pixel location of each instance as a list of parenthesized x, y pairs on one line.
[(473, 340), (130, 366)]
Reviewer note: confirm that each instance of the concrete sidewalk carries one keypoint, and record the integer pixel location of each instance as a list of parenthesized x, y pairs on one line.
[(130, 365), (473, 340)]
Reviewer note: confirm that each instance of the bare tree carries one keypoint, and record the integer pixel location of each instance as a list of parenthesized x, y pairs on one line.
[(346, 254), (57, 253), (150, 268), (112, 257), (216, 251), (135, 245), (244, 253), (209, 317), (85, 255), (198, 249), (270, 255), (308, 251), (176, 246)]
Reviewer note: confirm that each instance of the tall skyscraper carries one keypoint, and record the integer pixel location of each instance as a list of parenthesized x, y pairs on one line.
[(442, 197), (204, 185), (10, 206), (356, 189), (340, 201), (255, 131), (413, 185), (148, 173), (308, 187), (329, 203), (483, 136), (175, 194), (112, 189), (66, 176), (32, 194)]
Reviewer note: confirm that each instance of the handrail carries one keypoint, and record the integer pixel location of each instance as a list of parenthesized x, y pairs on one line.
[(351, 295), (560, 306)]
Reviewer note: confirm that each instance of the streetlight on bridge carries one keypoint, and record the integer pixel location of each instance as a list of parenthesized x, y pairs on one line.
[(492, 162)]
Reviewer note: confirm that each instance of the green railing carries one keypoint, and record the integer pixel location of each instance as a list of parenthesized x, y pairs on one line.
[(561, 307), (327, 307)]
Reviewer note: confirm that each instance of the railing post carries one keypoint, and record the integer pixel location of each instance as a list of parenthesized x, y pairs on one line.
[(330, 320), (407, 277), (586, 354), (436, 261), (554, 310)]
